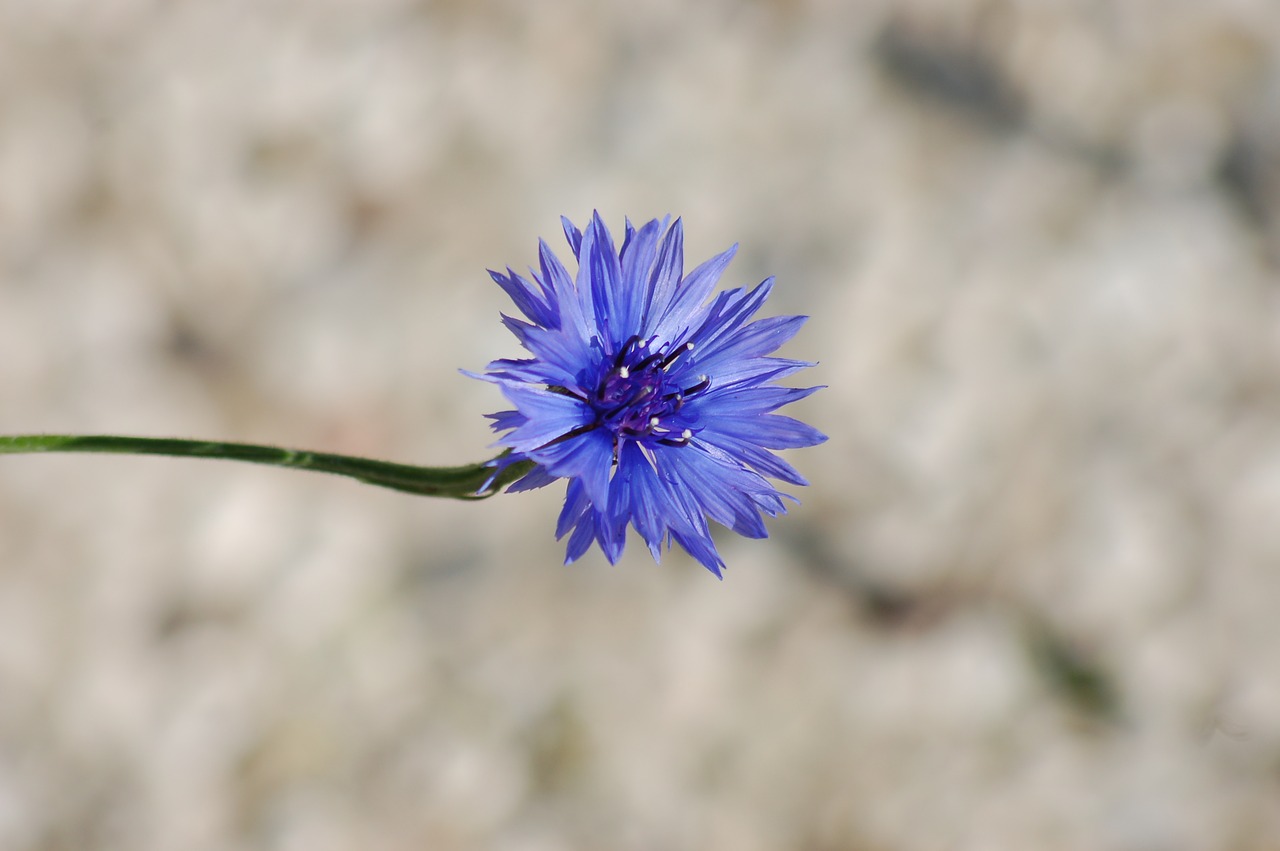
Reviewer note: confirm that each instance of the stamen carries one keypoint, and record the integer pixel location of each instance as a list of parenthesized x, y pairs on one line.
[(632, 401), (703, 383), (626, 347), (566, 391), (682, 440), (645, 431), (569, 435), (640, 395), (671, 358), (647, 362)]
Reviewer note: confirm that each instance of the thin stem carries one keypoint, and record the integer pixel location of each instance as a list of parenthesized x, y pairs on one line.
[(474, 481)]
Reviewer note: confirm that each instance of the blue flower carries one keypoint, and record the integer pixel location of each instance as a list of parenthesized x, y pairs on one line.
[(653, 399)]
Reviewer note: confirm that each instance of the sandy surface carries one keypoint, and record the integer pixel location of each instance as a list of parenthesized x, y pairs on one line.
[(1029, 601)]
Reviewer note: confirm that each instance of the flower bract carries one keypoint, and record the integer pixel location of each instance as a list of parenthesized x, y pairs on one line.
[(652, 397)]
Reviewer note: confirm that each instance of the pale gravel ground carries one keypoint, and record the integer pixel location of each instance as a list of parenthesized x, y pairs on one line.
[(1050, 326)]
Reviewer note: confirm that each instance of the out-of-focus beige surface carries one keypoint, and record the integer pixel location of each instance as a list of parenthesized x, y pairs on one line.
[(1030, 600)]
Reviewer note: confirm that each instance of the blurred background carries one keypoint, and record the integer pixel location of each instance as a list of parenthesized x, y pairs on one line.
[(1029, 602)]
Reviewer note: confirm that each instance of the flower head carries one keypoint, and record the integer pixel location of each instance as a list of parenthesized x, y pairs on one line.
[(653, 399)]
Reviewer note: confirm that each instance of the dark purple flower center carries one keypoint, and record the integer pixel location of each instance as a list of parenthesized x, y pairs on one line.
[(638, 393)]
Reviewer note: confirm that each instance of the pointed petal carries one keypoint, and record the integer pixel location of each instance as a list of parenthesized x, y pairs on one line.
[(704, 550), (535, 478), (729, 312), (548, 416), (575, 505), (628, 231), (664, 278), (573, 235), (528, 299), (754, 372), (558, 354), (637, 495), (638, 257), (695, 538), (772, 431), (744, 401), (691, 293), (572, 320), (611, 535), (600, 275), (726, 490), (751, 453), (526, 370), (580, 541), (757, 339), (587, 457), (506, 420)]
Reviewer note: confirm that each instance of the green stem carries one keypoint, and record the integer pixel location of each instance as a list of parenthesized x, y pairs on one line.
[(467, 482)]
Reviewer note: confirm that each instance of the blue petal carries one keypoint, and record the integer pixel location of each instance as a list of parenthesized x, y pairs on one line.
[(724, 345), (573, 235), (535, 478), (517, 327), (628, 233), (507, 420), (573, 321), (575, 505), (745, 401), (730, 493), (587, 457), (664, 279), (580, 541), (611, 534), (697, 542), (636, 494), (755, 340), (600, 274), (755, 372), (548, 415), (692, 292), (703, 549), (751, 453), (772, 431), (528, 370), (524, 295), (639, 254), (728, 312), (558, 353)]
